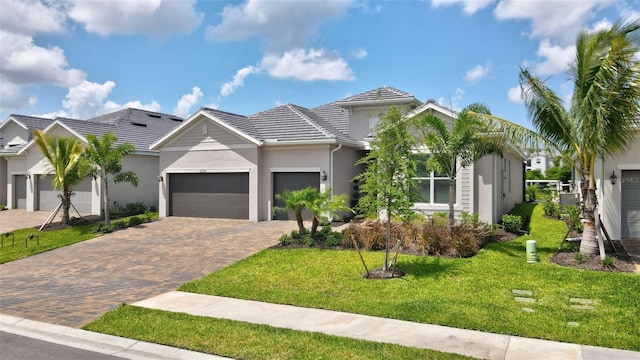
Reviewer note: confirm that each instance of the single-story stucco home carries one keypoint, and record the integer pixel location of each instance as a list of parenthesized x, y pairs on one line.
[(23, 168), (220, 164)]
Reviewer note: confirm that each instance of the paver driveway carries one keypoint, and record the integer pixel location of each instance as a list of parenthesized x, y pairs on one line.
[(76, 284)]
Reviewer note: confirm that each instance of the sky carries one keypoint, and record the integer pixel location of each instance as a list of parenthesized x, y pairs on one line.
[(79, 58)]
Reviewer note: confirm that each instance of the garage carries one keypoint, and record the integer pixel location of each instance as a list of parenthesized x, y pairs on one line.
[(20, 192), (292, 181), (48, 197), (222, 195), (630, 183)]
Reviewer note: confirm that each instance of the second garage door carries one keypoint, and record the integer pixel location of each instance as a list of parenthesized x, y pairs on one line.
[(48, 197), (209, 195), (292, 181), (630, 204)]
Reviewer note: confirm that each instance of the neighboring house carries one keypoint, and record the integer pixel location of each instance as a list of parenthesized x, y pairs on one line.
[(539, 160), (618, 191), (219, 164), (28, 166)]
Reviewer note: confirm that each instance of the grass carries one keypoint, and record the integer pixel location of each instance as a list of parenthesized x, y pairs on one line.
[(246, 341), (473, 293), (48, 240)]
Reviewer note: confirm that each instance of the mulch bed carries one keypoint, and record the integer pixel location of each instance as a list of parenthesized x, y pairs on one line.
[(622, 262), (73, 221)]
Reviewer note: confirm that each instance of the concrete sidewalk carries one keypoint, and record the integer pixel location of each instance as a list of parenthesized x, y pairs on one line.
[(465, 342), (99, 343)]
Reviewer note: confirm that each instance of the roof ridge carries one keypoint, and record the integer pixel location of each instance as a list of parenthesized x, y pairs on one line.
[(296, 109), (224, 112), (397, 91)]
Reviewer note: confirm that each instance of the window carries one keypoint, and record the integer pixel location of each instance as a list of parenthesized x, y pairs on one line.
[(432, 188), (373, 122), (538, 161)]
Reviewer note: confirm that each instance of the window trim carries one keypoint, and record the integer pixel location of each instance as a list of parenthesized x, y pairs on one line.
[(432, 179)]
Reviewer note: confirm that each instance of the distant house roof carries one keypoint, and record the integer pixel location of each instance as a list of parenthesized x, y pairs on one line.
[(29, 123), (385, 94)]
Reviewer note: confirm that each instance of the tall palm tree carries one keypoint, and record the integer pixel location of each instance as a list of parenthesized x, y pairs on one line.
[(64, 155), (106, 163), (603, 114), (450, 151)]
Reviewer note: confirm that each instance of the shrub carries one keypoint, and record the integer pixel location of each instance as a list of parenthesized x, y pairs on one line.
[(532, 193), (333, 239), (370, 235), (285, 240), (552, 209), (579, 257), (307, 240), (511, 223), (136, 208), (2, 207), (118, 225), (573, 212), (465, 241), (608, 262), (470, 218), (134, 220)]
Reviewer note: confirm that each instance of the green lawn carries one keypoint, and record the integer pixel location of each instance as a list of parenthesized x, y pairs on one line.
[(240, 340), (14, 245), (473, 293)]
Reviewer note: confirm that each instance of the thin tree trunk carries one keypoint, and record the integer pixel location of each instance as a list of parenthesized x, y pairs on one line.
[(314, 225), (107, 213), (386, 247), (589, 243), (66, 204), (452, 195), (300, 222)]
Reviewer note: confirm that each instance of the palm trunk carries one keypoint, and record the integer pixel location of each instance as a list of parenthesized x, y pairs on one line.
[(314, 225), (66, 204), (452, 195), (300, 222), (107, 213), (589, 243)]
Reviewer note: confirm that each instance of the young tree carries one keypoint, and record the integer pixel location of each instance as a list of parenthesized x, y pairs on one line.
[(452, 150), (603, 114), (106, 164), (64, 155), (296, 201), (388, 182)]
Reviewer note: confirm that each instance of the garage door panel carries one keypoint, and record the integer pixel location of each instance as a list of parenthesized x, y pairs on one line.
[(20, 191), (224, 195), (291, 181), (48, 198)]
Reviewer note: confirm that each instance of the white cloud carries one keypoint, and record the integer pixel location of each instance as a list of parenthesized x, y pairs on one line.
[(360, 53), (469, 6), (30, 17), (149, 17), (452, 102), (238, 80), (87, 100), (557, 58), (477, 73), (558, 21), (515, 95), (282, 25), (186, 102), (309, 65)]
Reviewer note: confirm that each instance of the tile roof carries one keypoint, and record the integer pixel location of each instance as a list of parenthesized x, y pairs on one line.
[(239, 122), (291, 122), (382, 94), (32, 122), (336, 115)]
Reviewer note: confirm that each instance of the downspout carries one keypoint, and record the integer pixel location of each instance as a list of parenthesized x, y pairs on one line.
[(331, 167)]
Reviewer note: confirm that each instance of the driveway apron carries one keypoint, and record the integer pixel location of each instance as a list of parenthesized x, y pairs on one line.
[(76, 284)]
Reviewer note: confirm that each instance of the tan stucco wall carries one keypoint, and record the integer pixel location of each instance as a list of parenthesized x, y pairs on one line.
[(610, 196), (314, 158)]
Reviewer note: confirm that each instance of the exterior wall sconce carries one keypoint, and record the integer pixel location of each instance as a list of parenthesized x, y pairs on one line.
[(160, 178), (613, 177), (323, 175), (28, 175)]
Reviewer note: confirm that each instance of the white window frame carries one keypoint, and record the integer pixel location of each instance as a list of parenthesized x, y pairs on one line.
[(432, 179)]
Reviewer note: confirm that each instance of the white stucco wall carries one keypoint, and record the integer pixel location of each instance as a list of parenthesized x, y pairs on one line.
[(610, 196), (16, 165), (3, 181)]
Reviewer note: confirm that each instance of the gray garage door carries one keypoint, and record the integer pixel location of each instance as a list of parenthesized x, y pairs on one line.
[(223, 196), (630, 204), (48, 197), (20, 192), (292, 181)]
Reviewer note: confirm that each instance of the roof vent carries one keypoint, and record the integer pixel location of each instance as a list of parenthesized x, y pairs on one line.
[(154, 115), (176, 119), (138, 124)]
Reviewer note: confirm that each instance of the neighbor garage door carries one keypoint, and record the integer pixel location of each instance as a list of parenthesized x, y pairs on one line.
[(48, 197), (292, 181), (209, 195), (630, 204), (20, 192)]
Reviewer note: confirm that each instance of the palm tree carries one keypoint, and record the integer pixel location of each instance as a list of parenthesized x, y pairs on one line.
[(106, 163), (603, 113), (64, 155), (325, 204), (450, 151), (296, 201)]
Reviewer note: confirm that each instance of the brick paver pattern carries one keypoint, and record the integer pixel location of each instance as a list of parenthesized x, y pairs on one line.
[(76, 284)]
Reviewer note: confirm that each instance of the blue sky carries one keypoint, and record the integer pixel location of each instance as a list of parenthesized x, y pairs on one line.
[(79, 58)]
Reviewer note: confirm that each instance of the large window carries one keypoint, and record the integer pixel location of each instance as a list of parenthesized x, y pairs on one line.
[(433, 188)]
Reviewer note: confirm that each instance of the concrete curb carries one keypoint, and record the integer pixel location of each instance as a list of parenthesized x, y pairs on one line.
[(452, 340), (96, 342)]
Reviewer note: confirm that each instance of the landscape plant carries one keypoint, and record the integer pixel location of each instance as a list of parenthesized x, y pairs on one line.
[(67, 168), (603, 114), (106, 164), (388, 183)]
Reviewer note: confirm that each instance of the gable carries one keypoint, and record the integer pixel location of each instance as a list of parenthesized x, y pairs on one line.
[(13, 134), (205, 134)]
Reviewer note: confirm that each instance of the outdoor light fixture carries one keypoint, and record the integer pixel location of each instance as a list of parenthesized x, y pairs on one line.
[(613, 177), (323, 175), (160, 178), (28, 175)]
